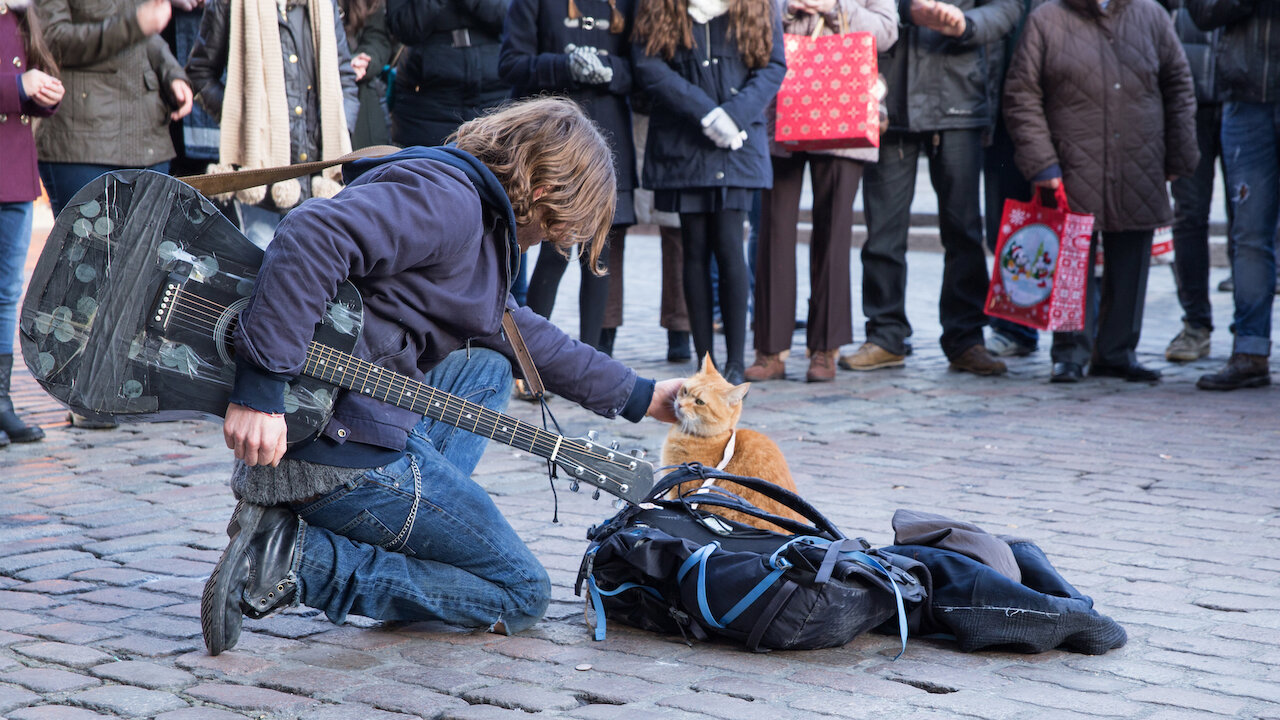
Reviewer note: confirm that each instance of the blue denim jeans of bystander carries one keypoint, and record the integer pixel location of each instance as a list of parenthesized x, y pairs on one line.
[(418, 539), (1251, 152), (15, 235)]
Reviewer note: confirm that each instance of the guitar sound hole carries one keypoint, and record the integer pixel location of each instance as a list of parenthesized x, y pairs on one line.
[(223, 328)]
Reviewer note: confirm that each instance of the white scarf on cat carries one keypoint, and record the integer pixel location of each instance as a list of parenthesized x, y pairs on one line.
[(704, 11)]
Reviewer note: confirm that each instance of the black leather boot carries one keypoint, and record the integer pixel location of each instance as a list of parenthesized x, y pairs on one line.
[(678, 346), (10, 424), (254, 576), (1242, 371), (607, 336)]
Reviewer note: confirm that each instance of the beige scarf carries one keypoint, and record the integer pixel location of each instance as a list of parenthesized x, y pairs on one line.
[(255, 110)]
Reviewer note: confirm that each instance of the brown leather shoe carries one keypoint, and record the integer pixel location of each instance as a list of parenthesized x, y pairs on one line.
[(822, 366), (871, 357), (768, 366), (978, 361)]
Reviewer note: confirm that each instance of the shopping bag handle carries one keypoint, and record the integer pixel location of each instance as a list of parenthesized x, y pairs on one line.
[(843, 28), (1059, 197)]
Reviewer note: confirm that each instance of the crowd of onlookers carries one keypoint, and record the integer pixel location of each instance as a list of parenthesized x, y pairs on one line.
[(1113, 101)]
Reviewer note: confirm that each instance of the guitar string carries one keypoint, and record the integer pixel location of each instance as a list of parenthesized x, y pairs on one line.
[(208, 311)]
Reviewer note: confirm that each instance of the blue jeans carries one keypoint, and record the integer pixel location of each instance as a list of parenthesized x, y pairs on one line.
[(417, 539), (1251, 152), (63, 180), (15, 235)]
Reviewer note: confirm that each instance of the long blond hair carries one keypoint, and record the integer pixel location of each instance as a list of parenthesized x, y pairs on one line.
[(555, 165)]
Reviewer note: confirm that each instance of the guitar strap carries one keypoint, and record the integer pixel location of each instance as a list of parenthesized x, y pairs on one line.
[(226, 182)]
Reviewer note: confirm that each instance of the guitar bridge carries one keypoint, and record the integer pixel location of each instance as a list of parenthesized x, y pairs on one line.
[(165, 302)]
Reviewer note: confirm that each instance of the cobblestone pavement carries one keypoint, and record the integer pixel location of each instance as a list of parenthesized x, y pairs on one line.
[(1163, 503)]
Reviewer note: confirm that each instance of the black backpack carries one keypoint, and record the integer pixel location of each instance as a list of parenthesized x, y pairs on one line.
[(673, 567)]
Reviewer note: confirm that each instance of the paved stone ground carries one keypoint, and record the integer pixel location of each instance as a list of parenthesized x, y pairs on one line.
[(1163, 503)]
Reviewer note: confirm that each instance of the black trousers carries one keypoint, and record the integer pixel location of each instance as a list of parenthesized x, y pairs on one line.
[(719, 234), (593, 290), (955, 168), (1116, 323), (1192, 198)]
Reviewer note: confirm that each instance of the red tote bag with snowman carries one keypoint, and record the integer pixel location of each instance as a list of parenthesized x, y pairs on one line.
[(1041, 265)]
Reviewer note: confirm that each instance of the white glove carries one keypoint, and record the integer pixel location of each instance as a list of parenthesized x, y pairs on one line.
[(722, 130), (586, 67)]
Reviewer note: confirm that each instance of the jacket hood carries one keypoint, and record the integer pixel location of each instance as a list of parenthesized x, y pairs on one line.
[(486, 183)]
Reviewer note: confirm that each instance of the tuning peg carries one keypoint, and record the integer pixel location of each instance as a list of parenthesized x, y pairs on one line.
[(591, 435), (573, 486), (613, 445), (596, 495), (638, 453)]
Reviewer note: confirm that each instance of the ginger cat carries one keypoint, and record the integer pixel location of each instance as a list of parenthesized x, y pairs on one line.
[(708, 408)]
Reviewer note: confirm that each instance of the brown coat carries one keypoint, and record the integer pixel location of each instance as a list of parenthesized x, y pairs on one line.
[(1108, 100)]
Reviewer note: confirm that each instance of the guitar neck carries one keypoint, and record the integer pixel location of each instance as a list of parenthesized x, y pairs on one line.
[(352, 373)]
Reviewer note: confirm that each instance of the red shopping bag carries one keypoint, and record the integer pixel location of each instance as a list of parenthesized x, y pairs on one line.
[(1041, 265), (827, 100)]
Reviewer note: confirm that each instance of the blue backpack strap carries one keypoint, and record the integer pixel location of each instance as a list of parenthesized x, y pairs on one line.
[(866, 559), (597, 595)]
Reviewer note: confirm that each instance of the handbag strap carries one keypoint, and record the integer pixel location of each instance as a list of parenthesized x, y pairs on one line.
[(225, 182)]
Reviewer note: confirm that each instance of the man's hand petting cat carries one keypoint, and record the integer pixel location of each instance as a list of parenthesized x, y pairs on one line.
[(663, 405)]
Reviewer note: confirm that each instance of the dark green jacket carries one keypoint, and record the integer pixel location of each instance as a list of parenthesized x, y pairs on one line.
[(118, 98)]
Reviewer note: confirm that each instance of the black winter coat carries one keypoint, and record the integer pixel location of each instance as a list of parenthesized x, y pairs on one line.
[(1248, 53), (372, 40), (938, 82), (534, 60), (439, 85), (208, 62), (694, 82), (1201, 47)]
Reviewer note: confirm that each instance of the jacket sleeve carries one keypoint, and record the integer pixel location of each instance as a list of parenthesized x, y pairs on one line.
[(209, 57), (346, 76), (574, 370), (669, 91), (489, 13), (762, 84), (990, 21), (413, 21), (878, 17), (166, 66), (320, 244), (374, 42), (78, 44), (1177, 90), (1210, 14), (519, 62), (1024, 105)]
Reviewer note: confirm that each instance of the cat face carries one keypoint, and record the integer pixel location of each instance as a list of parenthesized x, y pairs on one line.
[(707, 404)]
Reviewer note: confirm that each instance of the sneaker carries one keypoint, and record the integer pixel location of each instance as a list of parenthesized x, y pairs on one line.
[(871, 357), (255, 575), (768, 366), (1242, 371), (822, 366), (1189, 345), (978, 361), (1001, 345)]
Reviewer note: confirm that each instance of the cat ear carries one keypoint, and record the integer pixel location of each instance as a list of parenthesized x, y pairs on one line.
[(707, 365), (735, 396)]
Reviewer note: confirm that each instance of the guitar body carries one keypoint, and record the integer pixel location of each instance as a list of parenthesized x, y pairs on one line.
[(131, 308)]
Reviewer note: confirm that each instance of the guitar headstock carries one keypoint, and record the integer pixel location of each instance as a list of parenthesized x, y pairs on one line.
[(621, 474)]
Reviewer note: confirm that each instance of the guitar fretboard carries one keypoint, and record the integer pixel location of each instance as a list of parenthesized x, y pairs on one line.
[(352, 373)]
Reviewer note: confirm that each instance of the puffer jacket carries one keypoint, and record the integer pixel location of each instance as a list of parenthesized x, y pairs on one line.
[(1110, 102), (1248, 53), (118, 86), (449, 73), (19, 181), (878, 17), (691, 84), (209, 61), (938, 82)]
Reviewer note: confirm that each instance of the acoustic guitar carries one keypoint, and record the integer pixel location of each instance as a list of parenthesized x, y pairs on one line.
[(130, 313)]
